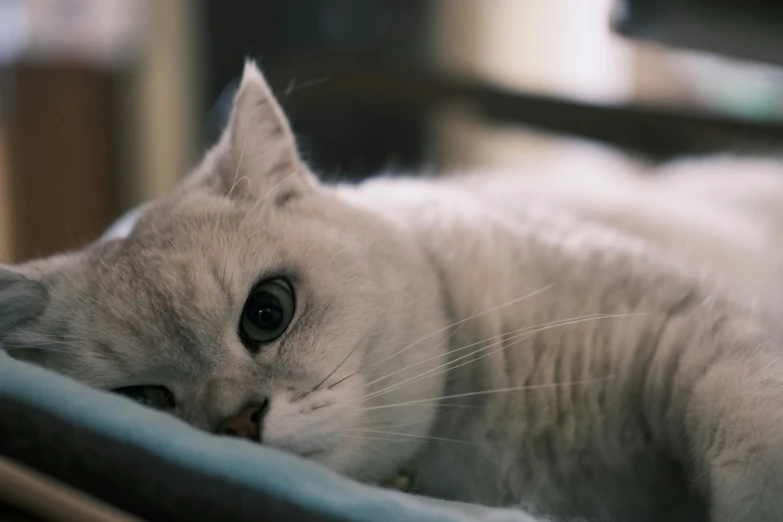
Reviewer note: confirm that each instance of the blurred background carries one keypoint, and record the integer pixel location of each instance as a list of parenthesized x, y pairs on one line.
[(105, 104)]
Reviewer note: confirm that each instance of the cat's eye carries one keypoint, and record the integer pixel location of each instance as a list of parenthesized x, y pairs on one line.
[(157, 397), (267, 312)]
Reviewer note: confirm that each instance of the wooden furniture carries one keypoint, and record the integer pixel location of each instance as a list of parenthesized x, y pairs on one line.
[(61, 153)]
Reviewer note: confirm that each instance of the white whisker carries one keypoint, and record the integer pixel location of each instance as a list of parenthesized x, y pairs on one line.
[(448, 405), (489, 392), (509, 303), (356, 436), (428, 419), (234, 183), (424, 376), (412, 436), (514, 339), (525, 329), (382, 452)]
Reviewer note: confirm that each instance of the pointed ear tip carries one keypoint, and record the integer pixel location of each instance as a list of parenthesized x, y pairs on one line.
[(251, 72)]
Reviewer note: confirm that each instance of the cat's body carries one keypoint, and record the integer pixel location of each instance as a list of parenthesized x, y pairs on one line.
[(608, 244), (597, 345)]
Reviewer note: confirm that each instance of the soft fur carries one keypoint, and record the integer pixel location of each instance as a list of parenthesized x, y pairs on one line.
[(588, 340)]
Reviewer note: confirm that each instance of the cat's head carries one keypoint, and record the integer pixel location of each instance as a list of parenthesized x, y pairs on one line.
[(251, 301)]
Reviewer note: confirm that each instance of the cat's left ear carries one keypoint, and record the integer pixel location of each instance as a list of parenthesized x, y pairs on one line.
[(21, 298), (259, 145)]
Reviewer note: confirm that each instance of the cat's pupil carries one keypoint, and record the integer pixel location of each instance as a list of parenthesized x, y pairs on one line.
[(266, 311)]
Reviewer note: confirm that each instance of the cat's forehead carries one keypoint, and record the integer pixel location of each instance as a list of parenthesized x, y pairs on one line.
[(209, 243), (198, 218), (204, 250), (198, 228), (182, 253)]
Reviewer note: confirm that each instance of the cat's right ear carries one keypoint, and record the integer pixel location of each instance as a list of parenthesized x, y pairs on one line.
[(257, 156), (21, 298)]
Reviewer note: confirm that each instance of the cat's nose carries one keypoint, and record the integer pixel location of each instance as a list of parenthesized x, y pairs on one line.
[(247, 423)]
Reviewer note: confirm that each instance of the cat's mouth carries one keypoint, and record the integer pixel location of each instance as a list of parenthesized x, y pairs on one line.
[(315, 426)]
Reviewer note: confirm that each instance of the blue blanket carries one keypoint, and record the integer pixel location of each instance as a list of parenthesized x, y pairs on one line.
[(159, 468)]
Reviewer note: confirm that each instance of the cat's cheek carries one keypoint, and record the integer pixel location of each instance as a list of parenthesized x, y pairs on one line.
[(319, 427)]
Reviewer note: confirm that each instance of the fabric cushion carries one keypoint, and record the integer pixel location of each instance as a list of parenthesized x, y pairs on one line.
[(160, 469)]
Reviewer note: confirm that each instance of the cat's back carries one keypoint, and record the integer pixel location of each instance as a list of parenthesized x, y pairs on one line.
[(722, 216)]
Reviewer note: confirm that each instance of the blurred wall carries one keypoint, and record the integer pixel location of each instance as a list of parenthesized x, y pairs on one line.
[(98, 113), (564, 48), (61, 156), (557, 47), (6, 226), (161, 104), (105, 104)]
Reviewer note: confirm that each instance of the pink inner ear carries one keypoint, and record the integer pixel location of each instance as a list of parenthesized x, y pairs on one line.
[(256, 157), (262, 147)]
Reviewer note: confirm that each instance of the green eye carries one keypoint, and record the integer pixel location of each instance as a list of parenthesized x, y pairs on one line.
[(267, 312), (156, 397)]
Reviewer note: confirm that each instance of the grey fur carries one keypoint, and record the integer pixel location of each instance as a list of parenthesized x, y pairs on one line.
[(20, 298), (667, 407)]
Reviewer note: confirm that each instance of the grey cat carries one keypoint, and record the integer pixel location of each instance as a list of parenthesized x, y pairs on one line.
[(598, 347)]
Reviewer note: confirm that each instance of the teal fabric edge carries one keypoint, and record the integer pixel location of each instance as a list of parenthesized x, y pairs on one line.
[(265, 469)]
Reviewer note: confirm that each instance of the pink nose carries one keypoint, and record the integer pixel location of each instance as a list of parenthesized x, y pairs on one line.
[(247, 423)]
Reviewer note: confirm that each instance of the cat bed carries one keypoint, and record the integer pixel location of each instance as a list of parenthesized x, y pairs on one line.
[(104, 457)]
